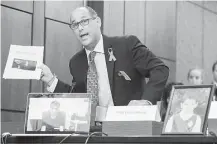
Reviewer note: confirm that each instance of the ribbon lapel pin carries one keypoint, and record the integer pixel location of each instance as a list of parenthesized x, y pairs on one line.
[(111, 55)]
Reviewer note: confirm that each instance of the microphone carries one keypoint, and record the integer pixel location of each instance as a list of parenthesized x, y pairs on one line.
[(72, 87)]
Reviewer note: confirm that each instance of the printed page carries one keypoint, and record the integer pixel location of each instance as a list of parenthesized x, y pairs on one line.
[(22, 62), (132, 113)]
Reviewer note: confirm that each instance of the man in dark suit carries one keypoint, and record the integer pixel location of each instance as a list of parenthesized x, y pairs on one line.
[(122, 64)]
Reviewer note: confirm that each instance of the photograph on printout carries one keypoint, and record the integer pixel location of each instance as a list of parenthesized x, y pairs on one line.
[(22, 62)]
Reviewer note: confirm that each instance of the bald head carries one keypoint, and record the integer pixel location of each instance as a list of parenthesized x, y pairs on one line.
[(86, 26), (89, 10)]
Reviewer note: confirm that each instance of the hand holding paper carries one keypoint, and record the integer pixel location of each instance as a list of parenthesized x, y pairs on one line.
[(22, 62), (46, 74)]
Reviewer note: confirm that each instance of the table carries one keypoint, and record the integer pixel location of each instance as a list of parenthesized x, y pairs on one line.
[(166, 139)]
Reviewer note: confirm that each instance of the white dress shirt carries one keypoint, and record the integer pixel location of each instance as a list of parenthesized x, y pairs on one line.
[(105, 96)]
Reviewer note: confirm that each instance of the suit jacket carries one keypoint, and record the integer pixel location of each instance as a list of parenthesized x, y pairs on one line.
[(135, 59), (53, 123)]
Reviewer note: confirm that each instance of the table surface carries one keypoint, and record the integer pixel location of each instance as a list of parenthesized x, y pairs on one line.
[(107, 139)]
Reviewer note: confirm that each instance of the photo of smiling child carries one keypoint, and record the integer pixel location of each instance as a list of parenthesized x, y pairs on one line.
[(187, 111)]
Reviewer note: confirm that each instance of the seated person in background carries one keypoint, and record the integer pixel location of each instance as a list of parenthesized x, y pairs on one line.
[(214, 72), (195, 76), (53, 119), (185, 120), (166, 98)]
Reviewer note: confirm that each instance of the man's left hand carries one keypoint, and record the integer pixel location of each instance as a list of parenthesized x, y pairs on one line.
[(139, 103)]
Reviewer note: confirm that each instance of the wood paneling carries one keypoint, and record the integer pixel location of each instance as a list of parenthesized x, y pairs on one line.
[(12, 127), (200, 3), (113, 18), (135, 19), (61, 10), (16, 29), (172, 67), (193, 44), (22, 25), (61, 45), (211, 5), (182, 32), (161, 28), (210, 43), (189, 39), (12, 122), (98, 6), (38, 36), (9, 116), (22, 5)]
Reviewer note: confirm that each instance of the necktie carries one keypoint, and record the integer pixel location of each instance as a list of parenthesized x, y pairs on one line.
[(92, 86)]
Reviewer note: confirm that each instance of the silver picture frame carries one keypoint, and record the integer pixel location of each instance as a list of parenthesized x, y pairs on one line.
[(188, 109)]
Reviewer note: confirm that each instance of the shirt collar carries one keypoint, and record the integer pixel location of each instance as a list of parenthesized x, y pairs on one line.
[(98, 48)]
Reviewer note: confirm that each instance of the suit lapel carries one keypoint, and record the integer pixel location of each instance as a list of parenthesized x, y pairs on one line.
[(110, 64), (84, 63)]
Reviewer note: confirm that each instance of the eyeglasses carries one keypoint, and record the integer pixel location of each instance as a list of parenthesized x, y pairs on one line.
[(83, 22)]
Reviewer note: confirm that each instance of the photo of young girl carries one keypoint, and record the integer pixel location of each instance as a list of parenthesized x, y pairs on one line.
[(187, 110)]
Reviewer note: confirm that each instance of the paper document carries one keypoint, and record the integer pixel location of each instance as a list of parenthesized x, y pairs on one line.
[(133, 113), (22, 62)]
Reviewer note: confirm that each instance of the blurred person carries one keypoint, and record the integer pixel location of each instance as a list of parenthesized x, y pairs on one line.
[(53, 119), (195, 76)]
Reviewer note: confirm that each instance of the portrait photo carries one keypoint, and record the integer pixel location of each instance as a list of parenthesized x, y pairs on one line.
[(188, 109), (24, 64), (57, 113)]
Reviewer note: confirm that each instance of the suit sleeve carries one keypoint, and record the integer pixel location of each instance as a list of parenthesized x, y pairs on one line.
[(148, 65), (63, 87)]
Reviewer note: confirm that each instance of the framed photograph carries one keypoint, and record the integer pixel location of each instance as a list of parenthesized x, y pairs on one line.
[(58, 113), (188, 109)]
